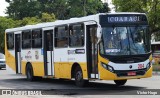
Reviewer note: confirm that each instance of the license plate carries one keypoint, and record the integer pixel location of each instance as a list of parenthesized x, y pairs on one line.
[(131, 73)]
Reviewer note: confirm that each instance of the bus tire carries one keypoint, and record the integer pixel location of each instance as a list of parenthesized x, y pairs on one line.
[(29, 72), (79, 81), (120, 82)]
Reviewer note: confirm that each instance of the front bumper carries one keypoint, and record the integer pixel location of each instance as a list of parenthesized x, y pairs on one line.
[(120, 75)]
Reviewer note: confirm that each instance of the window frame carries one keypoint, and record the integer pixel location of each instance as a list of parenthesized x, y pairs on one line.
[(32, 38), (82, 25), (9, 42), (55, 35), (25, 31)]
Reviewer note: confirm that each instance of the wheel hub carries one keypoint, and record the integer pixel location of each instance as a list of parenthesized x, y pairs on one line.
[(79, 75)]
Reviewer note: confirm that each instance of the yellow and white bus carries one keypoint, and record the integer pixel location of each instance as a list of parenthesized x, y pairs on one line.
[(105, 46)]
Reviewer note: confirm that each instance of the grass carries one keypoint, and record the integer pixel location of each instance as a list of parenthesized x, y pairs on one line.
[(156, 67)]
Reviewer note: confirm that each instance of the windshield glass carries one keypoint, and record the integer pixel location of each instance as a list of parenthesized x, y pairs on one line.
[(125, 40)]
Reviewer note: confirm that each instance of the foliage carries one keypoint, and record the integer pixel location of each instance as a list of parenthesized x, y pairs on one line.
[(4, 24), (28, 12), (63, 9), (150, 7), (45, 17), (18, 9)]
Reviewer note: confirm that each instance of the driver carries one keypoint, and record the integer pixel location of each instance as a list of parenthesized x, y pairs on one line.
[(123, 36)]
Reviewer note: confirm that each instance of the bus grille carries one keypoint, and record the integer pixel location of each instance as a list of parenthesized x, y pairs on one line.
[(125, 73)]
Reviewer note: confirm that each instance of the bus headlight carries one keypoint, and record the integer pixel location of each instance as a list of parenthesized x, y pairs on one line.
[(109, 68), (148, 65)]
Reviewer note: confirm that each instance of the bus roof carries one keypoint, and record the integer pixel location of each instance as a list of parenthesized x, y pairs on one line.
[(71, 20)]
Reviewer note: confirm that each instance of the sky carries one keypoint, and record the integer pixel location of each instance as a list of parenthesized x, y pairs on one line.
[(3, 7), (5, 4)]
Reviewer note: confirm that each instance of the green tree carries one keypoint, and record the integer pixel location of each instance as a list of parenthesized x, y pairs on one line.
[(4, 24), (18, 9), (150, 7), (28, 21), (79, 8), (104, 8), (62, 9), (58, 7), (45, 17)]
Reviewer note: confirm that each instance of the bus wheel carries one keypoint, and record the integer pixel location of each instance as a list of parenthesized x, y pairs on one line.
[(29, 73), (79, 81), (120, 82)]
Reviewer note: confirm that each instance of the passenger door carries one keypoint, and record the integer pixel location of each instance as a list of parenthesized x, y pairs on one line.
[(92, 56), (48, 51), (18, 51)]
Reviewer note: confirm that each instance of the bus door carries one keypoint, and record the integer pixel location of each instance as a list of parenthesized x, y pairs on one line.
[(18, 51), (48, 51), (92, 62)]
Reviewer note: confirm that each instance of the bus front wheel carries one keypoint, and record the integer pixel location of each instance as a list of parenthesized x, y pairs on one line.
[(120, 82), (79, 81)]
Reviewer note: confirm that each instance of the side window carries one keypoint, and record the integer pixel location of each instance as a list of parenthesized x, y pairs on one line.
[(26, 39), (76, 35), (10, 40), (36, 38), (61, 36)]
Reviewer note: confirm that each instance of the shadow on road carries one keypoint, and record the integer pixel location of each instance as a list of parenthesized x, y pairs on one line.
[(66, 87)]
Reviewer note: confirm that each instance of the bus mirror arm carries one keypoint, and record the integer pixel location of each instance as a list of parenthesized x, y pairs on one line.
[(99, 33)]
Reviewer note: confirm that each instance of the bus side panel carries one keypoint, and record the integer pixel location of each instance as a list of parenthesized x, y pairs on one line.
[(83, 66), (67, 68), (9, 56), (34, 57), (64, 62), (23, 66), (38, 68), (63, 69), (61, 62), (10, 59), (56, 70)]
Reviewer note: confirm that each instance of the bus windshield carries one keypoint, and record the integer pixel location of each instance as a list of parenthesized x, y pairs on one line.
[(126, 40)]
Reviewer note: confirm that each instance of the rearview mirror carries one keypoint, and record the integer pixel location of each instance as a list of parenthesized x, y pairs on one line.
[(99, 33)]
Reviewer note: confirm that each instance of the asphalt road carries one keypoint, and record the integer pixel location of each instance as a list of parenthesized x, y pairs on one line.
[(66, 88)]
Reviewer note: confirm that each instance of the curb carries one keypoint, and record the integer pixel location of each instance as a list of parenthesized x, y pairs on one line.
[(155, 73)]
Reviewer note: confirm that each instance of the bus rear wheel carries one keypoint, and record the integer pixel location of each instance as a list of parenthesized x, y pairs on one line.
[(79, 81), (120, 82), (29, 73)]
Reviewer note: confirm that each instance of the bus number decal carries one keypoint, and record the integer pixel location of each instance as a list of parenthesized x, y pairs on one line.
[(140, 66)]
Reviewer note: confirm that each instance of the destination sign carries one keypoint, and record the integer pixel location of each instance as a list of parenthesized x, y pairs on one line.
[(124, 19)]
